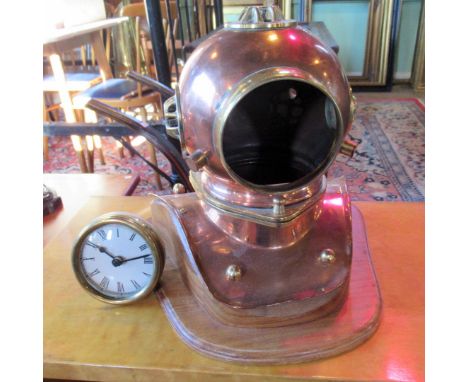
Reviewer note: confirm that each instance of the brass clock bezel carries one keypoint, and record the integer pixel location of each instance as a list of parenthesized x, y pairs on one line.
[(137, 224)]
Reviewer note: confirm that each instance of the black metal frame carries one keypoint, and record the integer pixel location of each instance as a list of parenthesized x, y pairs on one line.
[(116, 131), (155, 133), (112, 129), (160, 56), (158, 41), (218, 8)]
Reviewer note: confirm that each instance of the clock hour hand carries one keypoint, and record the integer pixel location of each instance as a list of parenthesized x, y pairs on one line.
[(101, 249), (134, 258), (106, 251)]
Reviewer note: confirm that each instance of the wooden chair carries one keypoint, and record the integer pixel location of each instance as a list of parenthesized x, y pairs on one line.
[(123, 93), (80, 73), (138, 10)]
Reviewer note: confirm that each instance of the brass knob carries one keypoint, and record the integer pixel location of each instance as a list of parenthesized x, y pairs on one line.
[(178, 188), (233, 272), (348, 148), (327, 256), (197, 160)]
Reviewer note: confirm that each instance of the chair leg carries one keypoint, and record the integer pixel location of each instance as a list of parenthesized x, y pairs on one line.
[(98, 146), (67, 105), (157, 111), (152, 150), (154, 160), (144, 114), (120, 150), (90, 153), (45, 139), (80, 154), (82, 161), (90, 116), (45, 147)]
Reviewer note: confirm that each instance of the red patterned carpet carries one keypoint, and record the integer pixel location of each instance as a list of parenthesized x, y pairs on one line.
[(388, 164)]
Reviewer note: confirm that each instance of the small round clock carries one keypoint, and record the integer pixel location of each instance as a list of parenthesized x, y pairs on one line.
[(118, 258)]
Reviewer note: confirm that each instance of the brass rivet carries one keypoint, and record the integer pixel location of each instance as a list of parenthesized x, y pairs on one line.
[(327, 256), (178, 188), (233, 272)]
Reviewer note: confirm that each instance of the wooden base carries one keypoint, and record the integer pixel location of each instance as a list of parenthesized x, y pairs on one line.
[(339, 331)]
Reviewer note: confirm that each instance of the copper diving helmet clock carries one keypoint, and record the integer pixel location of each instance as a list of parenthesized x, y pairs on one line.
[(118, 258), (267, 261)]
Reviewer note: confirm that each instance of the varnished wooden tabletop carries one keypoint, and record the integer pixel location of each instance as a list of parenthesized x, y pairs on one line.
[(75, 189), (85, 339)]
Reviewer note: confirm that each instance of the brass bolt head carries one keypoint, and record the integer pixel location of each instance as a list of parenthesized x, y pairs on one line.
[(178, 188), (327, 256), (233, 272), (197, 160)]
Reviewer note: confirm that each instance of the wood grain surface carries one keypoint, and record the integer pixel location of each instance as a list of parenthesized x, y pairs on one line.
[(85, 339)]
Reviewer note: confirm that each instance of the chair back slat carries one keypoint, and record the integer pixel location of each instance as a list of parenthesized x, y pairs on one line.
[(182, 23)]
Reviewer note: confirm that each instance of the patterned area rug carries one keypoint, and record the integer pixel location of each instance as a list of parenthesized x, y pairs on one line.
[(389, 161), (388, 164)]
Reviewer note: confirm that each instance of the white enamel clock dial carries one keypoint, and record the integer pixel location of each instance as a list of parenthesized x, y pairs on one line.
[(118, 258)]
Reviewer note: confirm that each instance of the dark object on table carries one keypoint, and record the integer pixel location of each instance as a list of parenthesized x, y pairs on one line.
[(50, 200)]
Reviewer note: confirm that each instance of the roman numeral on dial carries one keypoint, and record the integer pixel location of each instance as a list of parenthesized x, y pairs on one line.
[(143, 247), (136, 285), (91, 244), (94, 273), (148, 259), (102, 233), (86, 258), (133, 236), (104, 283), (120, 287)]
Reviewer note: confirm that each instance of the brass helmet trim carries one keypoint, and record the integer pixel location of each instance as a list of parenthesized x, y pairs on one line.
[(268, 16), (260, 26), (266, 163)]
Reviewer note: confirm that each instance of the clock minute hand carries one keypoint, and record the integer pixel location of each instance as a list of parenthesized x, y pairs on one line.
[(134, 258)]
